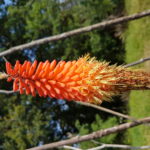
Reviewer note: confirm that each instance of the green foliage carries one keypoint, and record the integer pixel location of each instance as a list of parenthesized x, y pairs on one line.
[(21, 128), (41, 18), (23, 124), (98, 124)]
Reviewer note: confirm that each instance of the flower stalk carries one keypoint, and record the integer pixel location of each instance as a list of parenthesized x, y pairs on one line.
[(85, 79)]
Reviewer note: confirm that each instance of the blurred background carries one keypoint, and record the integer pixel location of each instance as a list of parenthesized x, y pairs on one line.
[(27, 121)]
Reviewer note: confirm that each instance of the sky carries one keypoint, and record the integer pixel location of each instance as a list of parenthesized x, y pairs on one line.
[(7, 1)]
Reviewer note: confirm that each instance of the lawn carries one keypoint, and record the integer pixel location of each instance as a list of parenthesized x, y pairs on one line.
[(137, 45)]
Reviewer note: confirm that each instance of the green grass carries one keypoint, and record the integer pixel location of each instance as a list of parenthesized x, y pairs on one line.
[(137, 44)]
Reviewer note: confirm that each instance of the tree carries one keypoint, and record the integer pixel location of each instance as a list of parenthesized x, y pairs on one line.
[(96, 125)]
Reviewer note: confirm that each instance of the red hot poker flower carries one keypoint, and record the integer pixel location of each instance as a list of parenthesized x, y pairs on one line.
[(83, 80)]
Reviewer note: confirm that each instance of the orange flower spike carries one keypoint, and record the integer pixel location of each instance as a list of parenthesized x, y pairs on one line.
[(42, 69), (8, 68), (15, 85), (38, 70), (16, 67), (32, 68), (66, 67), (45, 64), (31, 87), (23, 69), (64, 72), (55, 71), (21, 86), (58, 74), (82, 80), (53, 64), (75, 78), (28, 66), (46, 70)]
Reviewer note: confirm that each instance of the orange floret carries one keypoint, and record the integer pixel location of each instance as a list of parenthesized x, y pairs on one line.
[(83, 80)]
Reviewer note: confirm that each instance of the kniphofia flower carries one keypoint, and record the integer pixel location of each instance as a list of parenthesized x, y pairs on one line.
[(85, 79)]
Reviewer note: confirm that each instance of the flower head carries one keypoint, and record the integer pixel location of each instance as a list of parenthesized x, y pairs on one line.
[(85, 79)]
